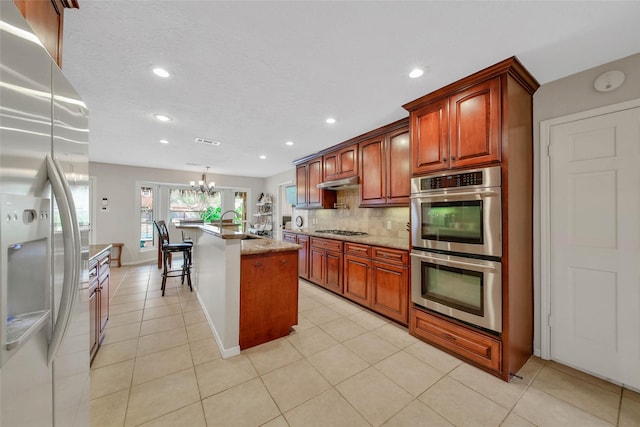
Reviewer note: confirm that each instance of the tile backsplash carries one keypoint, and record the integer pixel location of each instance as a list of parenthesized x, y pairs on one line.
[(387, 222)]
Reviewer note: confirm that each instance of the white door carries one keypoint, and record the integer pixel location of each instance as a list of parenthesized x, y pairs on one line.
[(595, 252)]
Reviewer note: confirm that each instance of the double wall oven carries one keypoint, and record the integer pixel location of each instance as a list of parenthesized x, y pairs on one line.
[(456, 233)]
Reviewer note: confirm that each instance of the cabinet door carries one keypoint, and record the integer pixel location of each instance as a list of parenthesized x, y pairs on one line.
[(301, 186), (46, 20), (333, 271), (390, 296), (104, 302), (317, 265), (475, 125), (331, 169), (430, 137), (399, 168), (93, 322), (357, 279), (372, 172), (348, 161), (303, 256), (314, 168)]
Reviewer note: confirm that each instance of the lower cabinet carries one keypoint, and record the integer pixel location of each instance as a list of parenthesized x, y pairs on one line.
[(378, 278), (325, 263), (99, 274), (458, 340), (372, 276), (303, 252), (268, 296)]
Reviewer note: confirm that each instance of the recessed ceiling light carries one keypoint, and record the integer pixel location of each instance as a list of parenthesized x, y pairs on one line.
[(161, 72), (263, 157), (415, 73), (164, 141), (289, 142), (330, 120), (162, 117)]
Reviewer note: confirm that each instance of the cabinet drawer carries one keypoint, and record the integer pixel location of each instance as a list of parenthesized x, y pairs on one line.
[(393, 256), (289, 237), (481, 349), (357, 250), (331, 245)]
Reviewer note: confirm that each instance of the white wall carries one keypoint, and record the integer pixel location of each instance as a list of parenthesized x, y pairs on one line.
[(122, 223), (562, 97)]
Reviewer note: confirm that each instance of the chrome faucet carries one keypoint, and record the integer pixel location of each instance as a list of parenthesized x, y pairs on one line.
[(235, 214)]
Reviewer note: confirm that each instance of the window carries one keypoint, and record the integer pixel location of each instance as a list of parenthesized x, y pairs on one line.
[(146, 217), (239, 205), (188, 205)]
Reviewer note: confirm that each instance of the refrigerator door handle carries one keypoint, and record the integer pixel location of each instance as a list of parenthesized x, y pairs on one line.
[(71, 239)]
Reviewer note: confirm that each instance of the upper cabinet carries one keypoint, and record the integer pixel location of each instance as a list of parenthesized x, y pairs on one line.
[(46, 19), (461, 124), (309, 196), (342, 163), (385, 171)]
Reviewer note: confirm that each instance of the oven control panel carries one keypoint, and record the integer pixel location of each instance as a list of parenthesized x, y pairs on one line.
[(484, 177), (448, 181)]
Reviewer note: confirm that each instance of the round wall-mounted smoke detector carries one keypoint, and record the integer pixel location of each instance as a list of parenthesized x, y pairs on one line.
[(608, 81)]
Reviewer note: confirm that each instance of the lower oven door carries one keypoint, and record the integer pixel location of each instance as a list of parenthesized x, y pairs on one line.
[(466, 289)]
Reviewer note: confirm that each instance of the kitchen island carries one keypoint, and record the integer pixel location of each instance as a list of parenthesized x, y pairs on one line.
[(246, 285)]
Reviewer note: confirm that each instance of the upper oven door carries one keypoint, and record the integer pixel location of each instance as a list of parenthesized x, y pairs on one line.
[(465, 221)]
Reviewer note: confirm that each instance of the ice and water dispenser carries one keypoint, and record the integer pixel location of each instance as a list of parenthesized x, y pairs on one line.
[(25, 286)]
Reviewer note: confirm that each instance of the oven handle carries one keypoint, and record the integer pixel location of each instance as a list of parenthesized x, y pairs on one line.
[(483, 193), (459, 263)]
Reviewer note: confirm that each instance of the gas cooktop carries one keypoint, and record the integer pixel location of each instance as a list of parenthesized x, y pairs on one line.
[(342, 232)]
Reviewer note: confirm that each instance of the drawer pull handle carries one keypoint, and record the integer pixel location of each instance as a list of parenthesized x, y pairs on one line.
[(448, 337)]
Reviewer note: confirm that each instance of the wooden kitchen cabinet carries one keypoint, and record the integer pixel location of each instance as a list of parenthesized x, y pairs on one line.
[(303, 255), (390, 283), (378, 278), (342, 163), (385, 169), (457, 339), (99, 275), (303, 252), (308, 195), (459, 131), (268, 297), (325, 263), (357, 273), (485, 119), (46, 17)]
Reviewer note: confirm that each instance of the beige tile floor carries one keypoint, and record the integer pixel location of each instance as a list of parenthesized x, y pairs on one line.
[(342, 366)]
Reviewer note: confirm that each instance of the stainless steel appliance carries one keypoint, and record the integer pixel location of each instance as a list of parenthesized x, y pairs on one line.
[(458, 212), (44, 211), (468, 289)]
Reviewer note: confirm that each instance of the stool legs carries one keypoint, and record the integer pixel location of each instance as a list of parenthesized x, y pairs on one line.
[(185, 270)]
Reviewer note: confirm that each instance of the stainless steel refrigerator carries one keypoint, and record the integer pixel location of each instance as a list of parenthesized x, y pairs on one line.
[(44, 223)]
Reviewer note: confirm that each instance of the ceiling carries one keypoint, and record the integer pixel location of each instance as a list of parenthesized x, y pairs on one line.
[(253, 75)]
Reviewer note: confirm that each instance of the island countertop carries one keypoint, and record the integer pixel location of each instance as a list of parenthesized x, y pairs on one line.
[(96, 250), (251, 244)]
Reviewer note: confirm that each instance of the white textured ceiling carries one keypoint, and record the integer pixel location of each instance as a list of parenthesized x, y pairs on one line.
[(253, 75)]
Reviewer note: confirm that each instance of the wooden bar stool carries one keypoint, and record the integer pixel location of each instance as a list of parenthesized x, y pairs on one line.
[(117, 258)]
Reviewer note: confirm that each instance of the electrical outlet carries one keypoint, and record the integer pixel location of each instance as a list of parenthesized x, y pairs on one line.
[(388, 225)]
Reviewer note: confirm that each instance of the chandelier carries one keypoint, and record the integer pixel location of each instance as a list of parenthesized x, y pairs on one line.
[(203, 186)]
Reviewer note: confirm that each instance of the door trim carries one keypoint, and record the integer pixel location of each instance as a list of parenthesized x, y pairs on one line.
[(545, 213)]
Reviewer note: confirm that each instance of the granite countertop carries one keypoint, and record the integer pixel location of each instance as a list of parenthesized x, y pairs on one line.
[(387, 242), (263, 245), (251, 244), (96, 250)]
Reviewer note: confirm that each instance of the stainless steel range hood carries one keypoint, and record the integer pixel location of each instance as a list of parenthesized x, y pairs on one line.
[(339, 184)]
